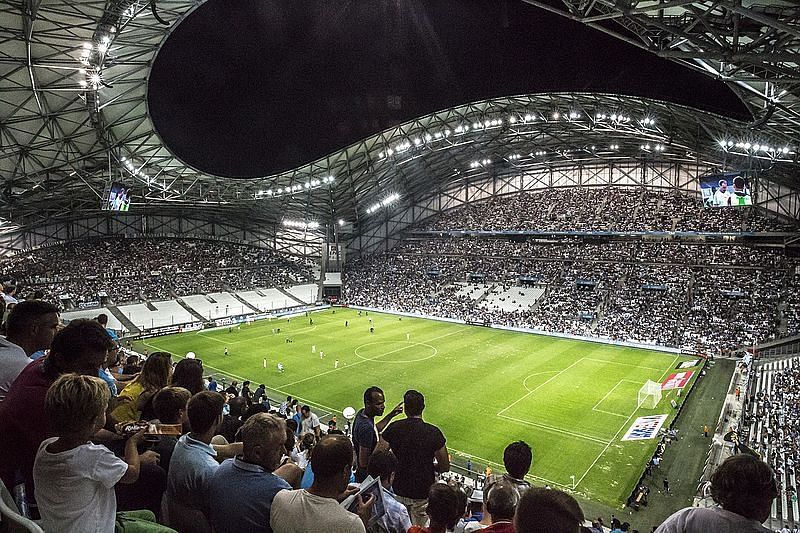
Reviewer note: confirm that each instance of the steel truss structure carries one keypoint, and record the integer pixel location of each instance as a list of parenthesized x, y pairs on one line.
[(74, 118), (751, 45)]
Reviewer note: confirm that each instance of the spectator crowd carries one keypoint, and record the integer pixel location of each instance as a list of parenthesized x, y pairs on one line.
[(92, 443), (129, 270), (689, 293)]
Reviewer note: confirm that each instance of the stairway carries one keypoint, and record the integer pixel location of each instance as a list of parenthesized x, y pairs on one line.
[(191, 310), (245, 302), (291, 296), (125, 321)]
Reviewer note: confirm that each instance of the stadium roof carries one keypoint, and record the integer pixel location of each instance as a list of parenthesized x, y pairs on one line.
[(74, 117)]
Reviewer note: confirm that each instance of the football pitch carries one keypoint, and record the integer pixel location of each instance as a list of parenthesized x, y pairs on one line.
[(572, 401)]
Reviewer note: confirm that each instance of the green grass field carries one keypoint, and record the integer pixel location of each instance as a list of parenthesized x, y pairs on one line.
[(572, 401)]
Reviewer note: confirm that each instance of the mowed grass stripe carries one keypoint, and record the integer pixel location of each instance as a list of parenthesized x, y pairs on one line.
[(477, 373)]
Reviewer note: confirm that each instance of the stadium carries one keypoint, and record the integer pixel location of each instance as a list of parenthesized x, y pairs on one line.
[(609, 275)]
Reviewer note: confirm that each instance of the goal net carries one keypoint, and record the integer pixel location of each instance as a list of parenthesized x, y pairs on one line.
[(649, 395)]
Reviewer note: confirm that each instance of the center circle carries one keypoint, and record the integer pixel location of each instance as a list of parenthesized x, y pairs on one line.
[(395, 347)]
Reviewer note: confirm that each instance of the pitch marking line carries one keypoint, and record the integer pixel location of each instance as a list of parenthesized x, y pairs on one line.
[(525, 382), (301, 331), (553, 429), (331, 410), (624, 425), (378, 357), (608, 394), (616, 363), (558, 373), (365, 360), (502, 467)]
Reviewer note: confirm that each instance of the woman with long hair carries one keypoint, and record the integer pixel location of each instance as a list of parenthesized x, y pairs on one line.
[(139, 392), (188, 374)]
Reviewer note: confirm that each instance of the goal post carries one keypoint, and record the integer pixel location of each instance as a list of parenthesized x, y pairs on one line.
[(649, 395)]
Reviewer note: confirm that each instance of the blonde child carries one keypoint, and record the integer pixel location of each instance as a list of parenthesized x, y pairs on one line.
[(74, 478)]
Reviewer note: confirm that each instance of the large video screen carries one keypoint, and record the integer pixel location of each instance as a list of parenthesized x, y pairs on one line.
[(731, 189), (119, 198)]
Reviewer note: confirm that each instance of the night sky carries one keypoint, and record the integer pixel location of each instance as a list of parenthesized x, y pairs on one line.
[(246, 88)]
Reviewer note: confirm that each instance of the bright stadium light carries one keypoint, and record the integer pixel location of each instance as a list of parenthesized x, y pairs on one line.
[(299, 224), (383, 203)]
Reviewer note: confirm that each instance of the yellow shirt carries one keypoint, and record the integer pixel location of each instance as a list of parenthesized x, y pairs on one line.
[(127, 412)]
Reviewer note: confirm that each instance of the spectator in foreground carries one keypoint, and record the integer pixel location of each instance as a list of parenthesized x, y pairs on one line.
[(30, 328), (309, 422), (192, 465), (416, 444), (473, 519), (79, 348), (383, 465), (443, 510), (317, 509), (547, 511), (366, 430), (170, 405), (517, 459), (744, 486), (242, 489), (188, 374), (501, 499), (135, 400), (74, 478)]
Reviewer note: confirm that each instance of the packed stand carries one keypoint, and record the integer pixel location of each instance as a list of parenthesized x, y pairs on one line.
[(129, 270), (603, 209), (670, 294)]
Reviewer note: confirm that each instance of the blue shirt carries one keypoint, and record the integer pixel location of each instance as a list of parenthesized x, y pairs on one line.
[(190, 469), (308, 477), (112, 385), (298, 417), (396, 519), (240, 496)]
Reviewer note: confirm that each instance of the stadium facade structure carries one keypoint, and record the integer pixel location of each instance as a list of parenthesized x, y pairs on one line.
[(74, 118)]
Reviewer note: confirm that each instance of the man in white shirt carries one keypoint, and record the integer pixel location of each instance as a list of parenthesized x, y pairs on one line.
[(309, 422), (30, 328), (723, 196), (317, 509)]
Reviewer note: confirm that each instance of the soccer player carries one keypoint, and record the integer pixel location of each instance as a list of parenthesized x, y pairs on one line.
[(336, 364), (321, 354), (722, 196), (226, 350), (280, 368), (408, 336), (265, 362)]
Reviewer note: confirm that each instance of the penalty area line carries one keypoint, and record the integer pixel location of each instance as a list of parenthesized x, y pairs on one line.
[(553, 429), (500, 465), (624, 425), (500, 413)]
